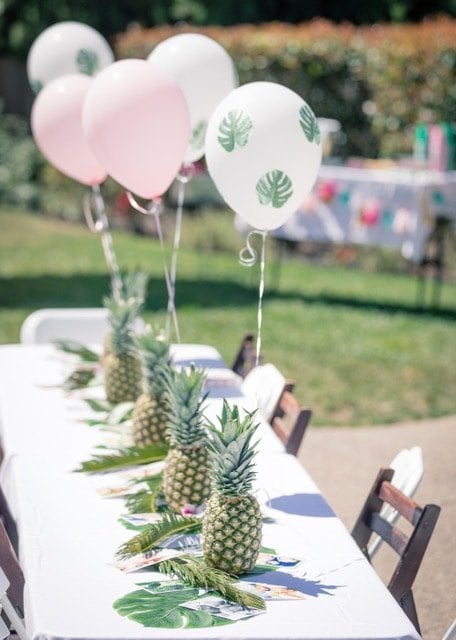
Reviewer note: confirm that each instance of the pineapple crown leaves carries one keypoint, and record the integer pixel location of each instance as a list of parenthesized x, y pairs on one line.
[(233, 452), (122, 314), (134, 286), (196, 574), (156, 360), (184, 393), (157, 533)]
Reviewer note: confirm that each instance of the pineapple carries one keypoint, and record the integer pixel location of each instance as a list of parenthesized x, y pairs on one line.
[(122, 367), (187, 472), (133, 288), (150, 414), (232, 520)]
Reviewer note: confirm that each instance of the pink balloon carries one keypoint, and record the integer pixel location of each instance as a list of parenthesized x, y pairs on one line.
[(136, 122), (56, 123)]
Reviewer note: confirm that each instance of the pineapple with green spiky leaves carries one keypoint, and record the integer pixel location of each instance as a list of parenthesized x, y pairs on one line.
[(232, 521), (150, 415), (134, 287), (187, 472), (122, 366)]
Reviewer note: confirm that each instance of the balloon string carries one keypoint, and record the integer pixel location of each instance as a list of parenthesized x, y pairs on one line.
[(177, 237), (154, 209), (248, 256), (101, 225), (260, 299)]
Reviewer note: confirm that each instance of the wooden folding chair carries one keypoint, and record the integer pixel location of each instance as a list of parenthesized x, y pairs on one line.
[(245, 357), (410, 549), (290, 420)]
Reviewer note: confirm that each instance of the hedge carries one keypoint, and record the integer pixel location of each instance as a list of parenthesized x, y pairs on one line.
[(378, 81)]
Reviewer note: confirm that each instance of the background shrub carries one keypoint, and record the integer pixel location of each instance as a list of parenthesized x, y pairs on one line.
[(378, 80)]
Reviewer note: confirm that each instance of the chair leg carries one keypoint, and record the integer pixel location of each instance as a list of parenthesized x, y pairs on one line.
[(297, 434), (407, 603)]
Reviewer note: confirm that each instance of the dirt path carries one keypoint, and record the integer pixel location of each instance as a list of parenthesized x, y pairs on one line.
[(344, 463)]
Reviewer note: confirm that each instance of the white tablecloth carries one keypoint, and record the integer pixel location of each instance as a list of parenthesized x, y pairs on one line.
[(68, 533)]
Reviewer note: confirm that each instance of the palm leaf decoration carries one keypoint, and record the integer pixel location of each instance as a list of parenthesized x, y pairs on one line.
[(144, 501), (77, 349), (274, 188), (309, 124), (198, 134), (99, 405), (197, 574), (155, 607), (80, 378), (155, 534), (234, 130), (124, 457), (87, 61)]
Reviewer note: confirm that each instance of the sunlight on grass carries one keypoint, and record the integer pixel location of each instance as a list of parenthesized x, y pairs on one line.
[(359, 349)]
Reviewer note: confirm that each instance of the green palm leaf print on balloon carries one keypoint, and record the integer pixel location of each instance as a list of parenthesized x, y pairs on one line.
[(87, 61), (36, 85), (234, 130), (274, 188), (198, 134), (309, 124)]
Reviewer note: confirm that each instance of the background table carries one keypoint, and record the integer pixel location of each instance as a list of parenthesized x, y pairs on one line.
[(68, 533), (382, 207)]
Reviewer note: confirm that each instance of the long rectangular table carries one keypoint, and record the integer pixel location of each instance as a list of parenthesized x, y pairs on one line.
[(68, 534)]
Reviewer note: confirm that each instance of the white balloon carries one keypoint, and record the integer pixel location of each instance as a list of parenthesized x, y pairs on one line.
[(205, 74), (66, 47), (263, 152)]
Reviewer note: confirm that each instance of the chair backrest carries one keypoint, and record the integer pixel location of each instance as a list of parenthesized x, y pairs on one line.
[(83, 325), (266, 385), (245, 356), (410, 549), (290, 420), (408, 470)]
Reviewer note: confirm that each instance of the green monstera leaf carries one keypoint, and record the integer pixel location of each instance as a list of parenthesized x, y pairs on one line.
[(36, 85), (234, 130), (87, 61), (274, 188), (198, 134), (309, 124), (157, 605)]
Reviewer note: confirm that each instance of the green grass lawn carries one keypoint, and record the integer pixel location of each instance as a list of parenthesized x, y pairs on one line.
[(358, 347)]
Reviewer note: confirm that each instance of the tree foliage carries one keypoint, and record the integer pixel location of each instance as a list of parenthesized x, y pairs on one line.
[(21, 21)]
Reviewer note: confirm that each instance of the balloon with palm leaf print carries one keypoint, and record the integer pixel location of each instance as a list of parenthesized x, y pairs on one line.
[(64, 48), (204, 72), (263, 152)]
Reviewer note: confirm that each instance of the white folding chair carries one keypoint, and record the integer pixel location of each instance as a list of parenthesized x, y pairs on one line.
[(265, 384), (408, 471), (85, 325), (15, 621)]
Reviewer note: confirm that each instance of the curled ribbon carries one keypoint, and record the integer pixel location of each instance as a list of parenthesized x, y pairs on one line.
[(101, 225), (154, 207), (248, 256), (96, 226)]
